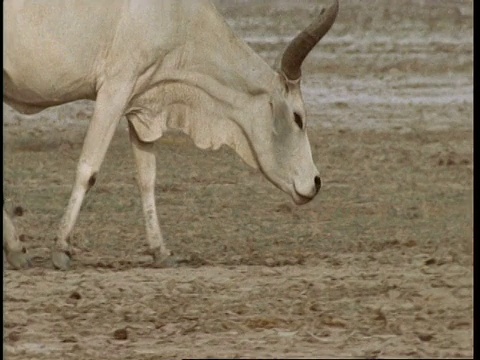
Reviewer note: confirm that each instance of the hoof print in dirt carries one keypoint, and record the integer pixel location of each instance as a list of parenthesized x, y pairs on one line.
[(13, 336), (425, 336), (75, 295), (18, 211), (120, 334)]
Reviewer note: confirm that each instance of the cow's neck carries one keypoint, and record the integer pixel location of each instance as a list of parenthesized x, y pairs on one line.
[(209, 74), (218, 52)]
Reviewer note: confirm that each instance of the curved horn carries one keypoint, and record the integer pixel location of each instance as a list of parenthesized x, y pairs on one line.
[(304, 42)]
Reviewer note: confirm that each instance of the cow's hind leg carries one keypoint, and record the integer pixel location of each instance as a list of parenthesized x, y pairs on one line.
[(146, 170), (109, 108), (14, 250)]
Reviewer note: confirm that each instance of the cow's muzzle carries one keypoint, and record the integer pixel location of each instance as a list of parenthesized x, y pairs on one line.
[(301, 199)]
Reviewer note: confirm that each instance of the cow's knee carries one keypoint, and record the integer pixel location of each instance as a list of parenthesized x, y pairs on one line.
[(91, 181), (86, 176)]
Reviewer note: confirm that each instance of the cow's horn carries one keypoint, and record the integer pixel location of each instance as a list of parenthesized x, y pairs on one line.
[(304, 42)]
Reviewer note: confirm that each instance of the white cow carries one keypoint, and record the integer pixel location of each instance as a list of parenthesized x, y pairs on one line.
[(162, 64)]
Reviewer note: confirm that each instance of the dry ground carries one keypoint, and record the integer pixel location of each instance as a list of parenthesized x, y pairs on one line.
[(378, 265)]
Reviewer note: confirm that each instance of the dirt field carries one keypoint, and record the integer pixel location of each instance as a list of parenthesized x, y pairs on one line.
[(380, 264)]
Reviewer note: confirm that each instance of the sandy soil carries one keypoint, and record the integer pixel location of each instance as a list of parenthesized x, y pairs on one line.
[(379, 265)]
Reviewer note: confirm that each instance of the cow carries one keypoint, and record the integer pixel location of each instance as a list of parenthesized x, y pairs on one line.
[(171, 64)]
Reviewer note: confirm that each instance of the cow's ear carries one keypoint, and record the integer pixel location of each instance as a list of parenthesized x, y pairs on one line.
[(287, 84), (282, 79)]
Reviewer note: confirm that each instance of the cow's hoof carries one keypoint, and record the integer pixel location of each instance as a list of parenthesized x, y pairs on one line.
[(164, 260), (19, 259), (61, 259), (168, 262)]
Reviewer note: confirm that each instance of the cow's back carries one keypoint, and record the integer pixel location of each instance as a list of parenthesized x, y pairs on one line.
[(63, 50), (52, 49)]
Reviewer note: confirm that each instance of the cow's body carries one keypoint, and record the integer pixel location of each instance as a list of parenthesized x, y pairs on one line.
[(162, 64)]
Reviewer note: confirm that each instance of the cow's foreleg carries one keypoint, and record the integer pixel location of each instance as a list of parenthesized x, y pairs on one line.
[(146, 171), (14, 250), (110, 105)]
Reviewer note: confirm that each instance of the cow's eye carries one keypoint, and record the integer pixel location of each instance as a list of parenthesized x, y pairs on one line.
[(298, 120)]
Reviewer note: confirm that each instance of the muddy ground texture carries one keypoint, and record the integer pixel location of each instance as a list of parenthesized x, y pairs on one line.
[(378, 265)]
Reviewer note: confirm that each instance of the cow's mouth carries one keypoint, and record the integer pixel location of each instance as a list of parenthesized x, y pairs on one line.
[(300, 199)]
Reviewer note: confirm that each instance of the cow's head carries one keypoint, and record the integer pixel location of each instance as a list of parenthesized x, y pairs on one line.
[(284, 155), (268, 122)]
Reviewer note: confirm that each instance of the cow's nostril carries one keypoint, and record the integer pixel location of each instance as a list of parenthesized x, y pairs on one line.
[(318, 183)]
